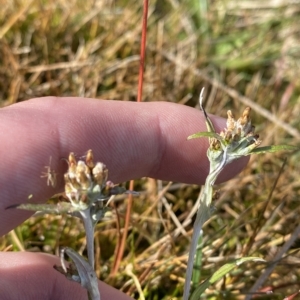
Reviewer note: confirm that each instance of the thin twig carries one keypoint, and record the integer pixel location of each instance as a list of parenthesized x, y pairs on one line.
[(125, 231), (142, 53), (262, 212), (139, 97), (119, 242), (262, 278), (136, 281), (173, 216)]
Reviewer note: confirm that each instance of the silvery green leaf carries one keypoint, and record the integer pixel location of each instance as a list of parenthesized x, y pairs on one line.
[(206, 134), (86, 274), (271, 149), (60, 208)]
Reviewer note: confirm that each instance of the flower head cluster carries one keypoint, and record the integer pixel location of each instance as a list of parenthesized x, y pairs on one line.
[(238, 137), (86, 187), (86, 181)]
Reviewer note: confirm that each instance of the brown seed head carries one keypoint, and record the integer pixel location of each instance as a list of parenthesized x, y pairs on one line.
[(245, 116), (71, 159), (90, 159), (100, 173), (215, 144), (72, 165), (228, 136), (83, 176), (230, 121)]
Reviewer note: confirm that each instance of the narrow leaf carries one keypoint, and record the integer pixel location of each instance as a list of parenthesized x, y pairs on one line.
[(198, 261), (87, 275), (61, 207), (219, 274), (205, 134), (271, 149)]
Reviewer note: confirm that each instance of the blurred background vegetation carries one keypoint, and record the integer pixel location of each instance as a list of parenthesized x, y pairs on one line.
[(244, 53)]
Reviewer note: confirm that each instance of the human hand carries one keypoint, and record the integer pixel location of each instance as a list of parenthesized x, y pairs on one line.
[(132, 139)]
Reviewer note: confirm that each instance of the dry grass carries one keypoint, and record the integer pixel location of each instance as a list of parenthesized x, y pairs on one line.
[(244, 53)]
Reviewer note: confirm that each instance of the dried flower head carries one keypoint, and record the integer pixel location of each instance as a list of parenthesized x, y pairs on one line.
[(236, 140), (239, 136), (85, 181)]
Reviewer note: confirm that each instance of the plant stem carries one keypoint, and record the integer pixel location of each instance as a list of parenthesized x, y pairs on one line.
[(203, 215), (196, 275), (89, 231)]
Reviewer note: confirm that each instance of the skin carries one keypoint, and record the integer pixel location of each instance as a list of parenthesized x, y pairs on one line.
[(133, 139)]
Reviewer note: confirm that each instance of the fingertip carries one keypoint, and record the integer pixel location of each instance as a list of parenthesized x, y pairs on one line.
[(27, 276)]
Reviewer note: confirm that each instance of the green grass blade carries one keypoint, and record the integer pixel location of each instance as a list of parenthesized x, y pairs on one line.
[(219, 274), (198, 262)]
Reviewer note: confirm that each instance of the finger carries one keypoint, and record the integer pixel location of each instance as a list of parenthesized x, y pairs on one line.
[(133, 139), (27, 276)]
